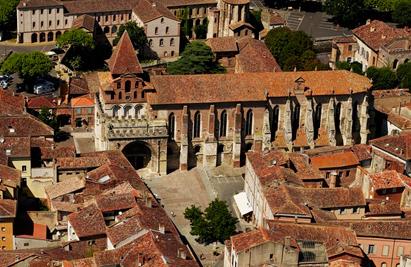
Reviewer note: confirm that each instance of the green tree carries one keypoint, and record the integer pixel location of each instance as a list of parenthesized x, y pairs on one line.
[(214, 224), (201, 30), (345, 12), (355, 66), (46, 116), (8, 14), (292, 49), (404, 75), (381, 5), (197, 58), (29, 65), (76, 38), (137, 36), (401, 12), (382, 78)]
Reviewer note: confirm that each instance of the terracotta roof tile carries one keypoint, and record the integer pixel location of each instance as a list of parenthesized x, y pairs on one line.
[(389, 179), (11, 104), (148, 10), (84, 22), (41, 102), (377, 33), (15, 147), (24, 125), (394, 229), (78, 86), (82, 101), (124, 58), (335, 160), (8, 208), (88, 222), (383, 208), (241, 87), (362, 151), (250, 239), (10, 176), (65, 187), (115, 202), (222, 44), (398, 145), (97, 6)]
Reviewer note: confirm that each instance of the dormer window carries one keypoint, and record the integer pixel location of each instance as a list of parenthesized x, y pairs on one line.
[(11, 129)]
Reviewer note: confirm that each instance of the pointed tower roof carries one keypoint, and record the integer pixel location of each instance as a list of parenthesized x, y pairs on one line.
[(124, 58)]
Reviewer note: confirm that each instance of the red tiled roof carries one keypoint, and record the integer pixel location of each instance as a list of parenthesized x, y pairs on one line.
[(254, 56), (24, 125), (362, 151), (8, 208), (241, 87), (15, 147), (10, 176), (78, 86), (84, 22), (399, 229), (40, 102), (97, 6), (250, 239), (222, 44), (115, 202), (377, 33), (398, 145), (383, 208), (124, 58), (88, 222), (148, 10), (276, 19), (389, 179), (64, 187), (335, 160), (11, 104), (82, 101)]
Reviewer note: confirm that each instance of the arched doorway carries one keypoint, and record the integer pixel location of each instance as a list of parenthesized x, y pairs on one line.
[(58, 34), (50, 36), (34, 38), (138, 154), (42, 37)]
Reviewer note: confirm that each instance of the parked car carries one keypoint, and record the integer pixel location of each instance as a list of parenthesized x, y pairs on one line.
[(5, 77), (42, 87)]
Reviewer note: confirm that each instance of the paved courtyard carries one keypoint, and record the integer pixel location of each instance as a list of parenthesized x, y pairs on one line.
[(179, 190)]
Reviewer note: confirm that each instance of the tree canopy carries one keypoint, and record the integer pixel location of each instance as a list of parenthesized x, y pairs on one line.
[(346, 12), (355, 66), (382, 78), (8, 14), (29, 65), (76, 38), (197, 58), (401, 12), (137, 36), (404, 75), (214, 224), (292, 49)]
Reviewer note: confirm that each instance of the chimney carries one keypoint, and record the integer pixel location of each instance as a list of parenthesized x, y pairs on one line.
[(161, 228), (181, 253), (333, 179)]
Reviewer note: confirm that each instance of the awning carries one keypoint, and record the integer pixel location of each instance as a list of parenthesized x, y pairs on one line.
[(242, 203)]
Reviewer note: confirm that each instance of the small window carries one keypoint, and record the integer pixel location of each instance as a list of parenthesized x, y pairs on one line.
[(3, 229), (161, 42), (78, 110), (33, 12), (58, 10), (58, 22), (49, 23), (119, 95), (49, 10), (355, 210), (156, 30), (167, 29), (172, 42), (34, 24), (385, 250), (26, 244), (400, 251), (65, 21), (3, 238), (24, 168), (162, 20), (41, 24), (41, 12), (350, 48), (371, 249)]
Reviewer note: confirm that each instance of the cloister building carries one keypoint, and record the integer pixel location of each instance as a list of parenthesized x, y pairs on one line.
[(182, 121), (45, 20)]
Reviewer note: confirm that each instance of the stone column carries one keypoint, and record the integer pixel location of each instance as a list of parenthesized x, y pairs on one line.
[(288, 129), (210, 143), (364, 120), (238, 119), (347, 122), (184, 140), (331, 122), (309, 125), (266, 131)]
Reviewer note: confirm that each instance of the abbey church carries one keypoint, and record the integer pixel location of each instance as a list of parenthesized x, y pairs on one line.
[(181, 121)]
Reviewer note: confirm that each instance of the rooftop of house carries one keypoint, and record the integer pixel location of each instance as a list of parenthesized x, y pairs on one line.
[(276, 19), (85, 21), (148, 10), (65, 187), (8, 208), (82, 101), (392, 229), (383, 208), (115, 202), (88, 222), (396, 145), (78, 86), (222, 44), (298, 200), (242, 87), (9, 176), (15, 147), (23, 125), (389, 179), (39, 102), (335, 160), (11, 104), (124, 58), (254, 56), (376, 34)]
